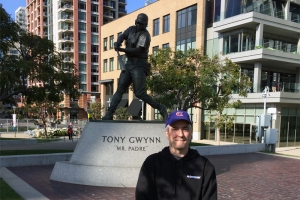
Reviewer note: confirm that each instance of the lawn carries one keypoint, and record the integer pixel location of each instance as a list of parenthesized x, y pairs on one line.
[(7, 193)]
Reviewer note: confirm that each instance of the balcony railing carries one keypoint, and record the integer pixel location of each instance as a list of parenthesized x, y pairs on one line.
[(280, 87)]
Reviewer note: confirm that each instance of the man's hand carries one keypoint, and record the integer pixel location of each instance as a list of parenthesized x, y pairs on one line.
[(116, 46)]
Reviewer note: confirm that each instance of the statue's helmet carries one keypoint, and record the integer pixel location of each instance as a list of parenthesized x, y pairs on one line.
[(142, 18)]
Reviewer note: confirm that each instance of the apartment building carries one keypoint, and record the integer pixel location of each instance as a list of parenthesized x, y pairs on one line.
[(20, 17), (262, 36), (74, 27)]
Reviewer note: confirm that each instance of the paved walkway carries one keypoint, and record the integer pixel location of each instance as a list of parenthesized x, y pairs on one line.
[(240, 176)]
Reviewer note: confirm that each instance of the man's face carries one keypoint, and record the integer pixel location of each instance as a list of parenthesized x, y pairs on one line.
[(179, 135), (140, 26)]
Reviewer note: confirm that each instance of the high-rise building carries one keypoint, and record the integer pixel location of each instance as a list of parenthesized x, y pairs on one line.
[(20, 17), (74, 27), (261, 36)]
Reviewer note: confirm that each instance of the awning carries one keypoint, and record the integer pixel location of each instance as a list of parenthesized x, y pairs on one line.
[(135, 107), (106, 81), (123, 103)]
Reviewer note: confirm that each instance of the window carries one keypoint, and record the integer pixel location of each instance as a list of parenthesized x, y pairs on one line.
[(82, 87), (94, 88), (155, 50), (94, 8), (105, 44), (105, 65), (94, 69), (111, 64), (95, 48), (109, 88), (82, 5), (94, 78), (94, 28), (187, 44), (82, 47), (82, 26), (111, 42), (113, 4), (82, 16), (186, 17), (82, 77), (82, 57), (94, 18), (82, 67), (82, 37), (95, 39), (166, 24), (156, 27), (94, 58), (165, 46)]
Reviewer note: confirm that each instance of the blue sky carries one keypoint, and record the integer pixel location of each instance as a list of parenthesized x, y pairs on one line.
[(12, 5)]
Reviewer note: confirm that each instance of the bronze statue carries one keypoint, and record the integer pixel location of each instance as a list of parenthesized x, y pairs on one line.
[(136, 68)]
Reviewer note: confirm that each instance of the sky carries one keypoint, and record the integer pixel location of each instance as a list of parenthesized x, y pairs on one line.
[(12, 5)]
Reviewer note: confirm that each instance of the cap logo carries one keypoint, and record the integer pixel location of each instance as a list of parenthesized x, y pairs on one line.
[(179, 114)]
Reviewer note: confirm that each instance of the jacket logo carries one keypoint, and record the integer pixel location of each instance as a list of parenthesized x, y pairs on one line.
[(179, 114), (194, 177)]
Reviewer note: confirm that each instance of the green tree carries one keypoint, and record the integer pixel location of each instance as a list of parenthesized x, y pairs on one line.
[(121, 114), (43, 112), (95, 110), (37, 64), (189, 79)]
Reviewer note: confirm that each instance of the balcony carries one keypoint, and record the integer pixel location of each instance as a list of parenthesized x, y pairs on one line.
[(66, 7), (66, 29), (66, 38), (122, 11), (67, 18), (68, 59), (108, 15), (123, 2), (107, 5)]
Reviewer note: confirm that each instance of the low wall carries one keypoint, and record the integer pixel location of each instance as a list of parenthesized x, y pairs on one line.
[(230, 149), (37, 159)]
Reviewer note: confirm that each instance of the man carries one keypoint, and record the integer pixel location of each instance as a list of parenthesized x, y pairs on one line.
[(137, 67), (177, 172)]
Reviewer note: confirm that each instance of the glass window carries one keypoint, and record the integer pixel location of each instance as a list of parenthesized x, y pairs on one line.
[(155, 27), (82, 77), (111, 64), (81, 5), (95, 88), (95, 38), (94, 68), (94, 18), (155, 50), (82, 47), (94, 58), (82, 67), (105, 65), (166, 24), (82, 26), (192, 15), (165, 46), (82, 57), (82, 37), (105, 44), (181, 18), (191, 43), (94, 48), (94, 8), (82, 16), (109, 88), (94, 78), (82, 87), (111, 42), (113, 4), (94, 28)]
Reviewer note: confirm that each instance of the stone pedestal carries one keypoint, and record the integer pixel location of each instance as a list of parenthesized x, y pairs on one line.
[(111, 153)]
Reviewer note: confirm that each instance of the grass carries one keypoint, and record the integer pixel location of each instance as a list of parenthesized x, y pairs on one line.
[(28, 152), (7, 193)]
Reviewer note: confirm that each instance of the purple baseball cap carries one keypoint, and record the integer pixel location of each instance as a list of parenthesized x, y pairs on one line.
[(178, 115)]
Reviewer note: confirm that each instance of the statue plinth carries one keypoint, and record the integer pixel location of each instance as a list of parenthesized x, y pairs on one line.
[(111, 153)]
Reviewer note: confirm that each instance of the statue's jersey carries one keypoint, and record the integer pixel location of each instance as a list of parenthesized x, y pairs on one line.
[(136, 39)]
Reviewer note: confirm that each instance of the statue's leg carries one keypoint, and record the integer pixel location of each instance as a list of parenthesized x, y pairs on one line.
[(124, 82), (138, 79)]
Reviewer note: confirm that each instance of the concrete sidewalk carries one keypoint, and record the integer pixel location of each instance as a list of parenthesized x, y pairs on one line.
[(234, 179)]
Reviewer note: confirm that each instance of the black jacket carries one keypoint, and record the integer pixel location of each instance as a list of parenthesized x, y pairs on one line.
[(164, 177)]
